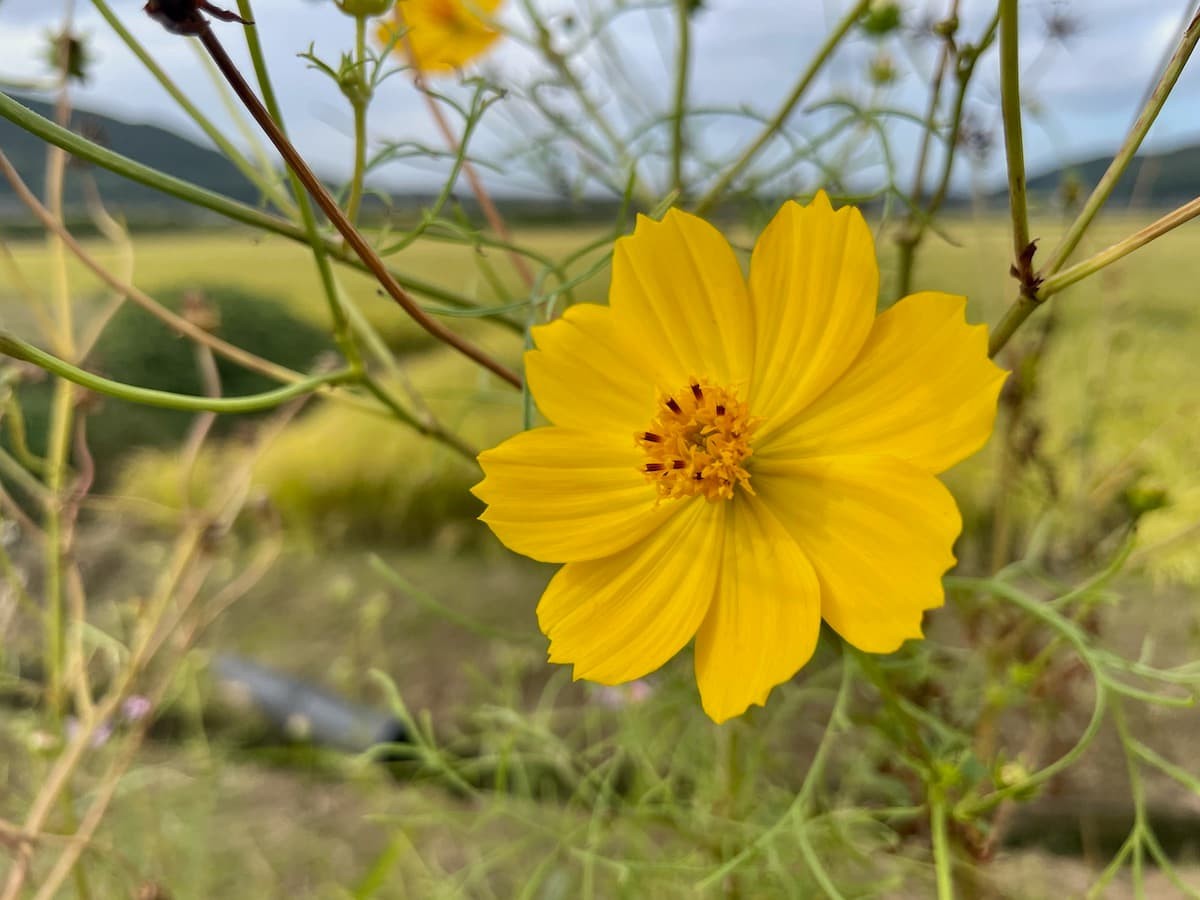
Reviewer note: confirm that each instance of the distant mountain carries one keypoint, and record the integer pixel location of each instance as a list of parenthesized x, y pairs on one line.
[(1163, 179), (1152, 179), (148, 144)]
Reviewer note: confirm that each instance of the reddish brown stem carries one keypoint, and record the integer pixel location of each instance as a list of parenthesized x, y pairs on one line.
[(494, 219), (323, 199)]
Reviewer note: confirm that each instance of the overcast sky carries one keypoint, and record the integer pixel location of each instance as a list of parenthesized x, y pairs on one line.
[(1083, 91)]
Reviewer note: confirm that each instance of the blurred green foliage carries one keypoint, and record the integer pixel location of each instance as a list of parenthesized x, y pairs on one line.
[(339, 474), (140, 350)]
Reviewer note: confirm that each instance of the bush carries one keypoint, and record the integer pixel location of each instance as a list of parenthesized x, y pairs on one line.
[(340, 474), (138, 349)]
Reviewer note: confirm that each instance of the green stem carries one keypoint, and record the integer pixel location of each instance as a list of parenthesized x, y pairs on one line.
[(1124, 156), (683, 60), (13, 346), (802, 802), (1014, 147), (966, 70), (941, 845), (76, 145), (341, 327), (966, 61), (243, 165), (717, 191), (362, 248), (62, 416), (359, 105), (618, 145), (1119, 250), (1014, 317), (910, 236), (1072, 634)]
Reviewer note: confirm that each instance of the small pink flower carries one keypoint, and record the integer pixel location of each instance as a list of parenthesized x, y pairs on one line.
[(620, 696), (99, 737), (135, 708)]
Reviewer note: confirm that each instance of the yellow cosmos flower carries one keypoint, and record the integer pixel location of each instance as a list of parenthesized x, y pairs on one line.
[(734, 460), (441, 35)]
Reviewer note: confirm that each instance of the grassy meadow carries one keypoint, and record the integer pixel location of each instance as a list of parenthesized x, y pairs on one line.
[(532, 786)]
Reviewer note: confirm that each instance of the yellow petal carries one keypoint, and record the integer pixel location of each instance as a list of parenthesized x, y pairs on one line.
[(619, 618), (677, 284), (813, 286), (441, 36), (560, 495), (764, 621), (587, 374), (922, 390), (879, 533)]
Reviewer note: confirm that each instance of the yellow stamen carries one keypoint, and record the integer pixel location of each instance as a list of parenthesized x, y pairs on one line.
[(698, 442)]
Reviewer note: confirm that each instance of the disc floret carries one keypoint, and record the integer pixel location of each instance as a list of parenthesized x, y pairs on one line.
[(698, 443)]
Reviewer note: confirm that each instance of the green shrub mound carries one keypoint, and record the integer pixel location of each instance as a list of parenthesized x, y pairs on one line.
[(138, 349)]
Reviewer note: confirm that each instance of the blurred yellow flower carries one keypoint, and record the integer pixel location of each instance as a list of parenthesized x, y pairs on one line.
[(441, 35), (735, 459)]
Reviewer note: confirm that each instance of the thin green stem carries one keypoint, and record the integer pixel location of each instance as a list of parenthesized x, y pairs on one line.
[(1014, 146), (62, 412), (458, 147), (941, 845), (1072, 634), (81, 147), (1133, 140), (965, 62), (353, 237), (263, 182), (910, 236), (341, 327), (1119, 250), (683, 59), (802, 802), (359, 105), (619, 146), (1014, 317), (717, 191), (13, 346)]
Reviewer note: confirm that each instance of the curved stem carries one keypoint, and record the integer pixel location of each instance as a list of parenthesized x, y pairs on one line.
[(51, 133), (214, 134), (359, 106), (13, 346), (1014, 147), (1119, 250), (494, 219), (683, 54), (941, 846), (1133, 140), (175, 322), (341, 327), (717, 191), (329, 206)]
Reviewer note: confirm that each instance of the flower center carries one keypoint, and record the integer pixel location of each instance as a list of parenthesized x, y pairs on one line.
[(698, 442)]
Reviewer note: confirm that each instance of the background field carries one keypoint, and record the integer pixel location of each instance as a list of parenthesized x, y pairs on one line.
[(1117, 406)]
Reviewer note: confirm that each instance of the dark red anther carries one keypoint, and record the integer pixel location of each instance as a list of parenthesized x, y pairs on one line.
[(697, 393), (654, 467), (720, 409), (673, 406), (678, 464), (652, 437)]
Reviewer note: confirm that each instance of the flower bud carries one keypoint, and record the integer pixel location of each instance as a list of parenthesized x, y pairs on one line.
[(362, 9)]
